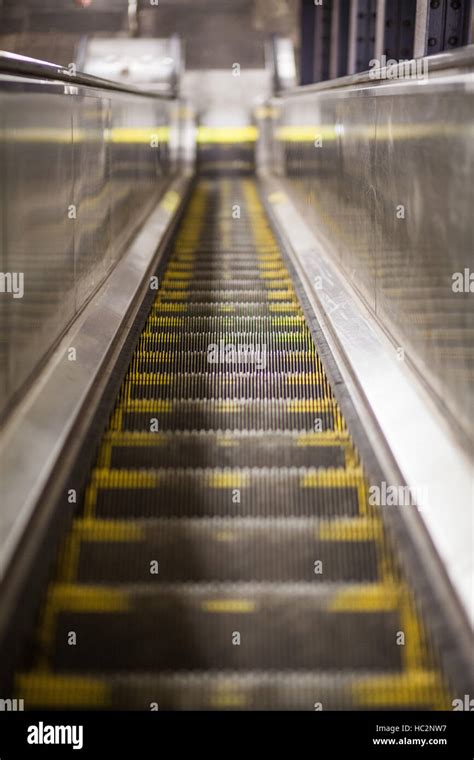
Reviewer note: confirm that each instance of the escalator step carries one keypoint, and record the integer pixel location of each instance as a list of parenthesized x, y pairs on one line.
[(237, 414), (191, 626), (218, 492), (229, 690), (207, 449), (232, 549)]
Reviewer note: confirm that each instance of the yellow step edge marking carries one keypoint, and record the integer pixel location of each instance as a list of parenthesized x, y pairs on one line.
[(72, 597), (75, 597), (41, 689), (349, 529), (155, 406), (109, 479), (229, 605), (414, 688), (226, 535), (167, 378), (296, 406), (339, 478), (232, 479), (334, 476), (128, 478), (369, 597), (230, 699), (414, 653), (107, 530), (210, 135), (227, 442), (134, 438), (323, 438)]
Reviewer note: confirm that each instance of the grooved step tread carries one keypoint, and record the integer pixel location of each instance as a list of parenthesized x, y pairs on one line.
[(234, 549), (230, 690), (192, 626), (232, 449), (240, 492)]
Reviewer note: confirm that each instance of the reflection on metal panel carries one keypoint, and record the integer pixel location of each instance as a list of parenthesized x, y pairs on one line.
[(81, 168), (384, 174), (154, 63)]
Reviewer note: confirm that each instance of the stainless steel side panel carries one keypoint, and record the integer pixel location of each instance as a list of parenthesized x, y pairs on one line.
[(383, 172), (80, 170)]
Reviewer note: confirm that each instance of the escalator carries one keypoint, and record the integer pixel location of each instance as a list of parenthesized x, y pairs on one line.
[(226, 555)]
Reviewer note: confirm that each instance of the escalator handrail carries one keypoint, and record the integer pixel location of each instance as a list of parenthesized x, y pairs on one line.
[(23, 66)]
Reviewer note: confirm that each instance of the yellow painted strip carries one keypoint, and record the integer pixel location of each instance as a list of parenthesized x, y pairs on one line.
[(226, 134), (231, 479), (369, 597), (154, 406), (171, 201), (103, 478), (71, 597), (149, 135), (308, 133), (324, 438), (338, 478), (296, 406), (229, 605), (107, 530), (228, 699), (414, 688), (332, 476), (134, 438), (226, 535), (226, 441), (349, 529), (41, 689)]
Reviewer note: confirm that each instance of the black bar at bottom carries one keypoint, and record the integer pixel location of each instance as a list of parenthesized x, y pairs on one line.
[(147, 735)]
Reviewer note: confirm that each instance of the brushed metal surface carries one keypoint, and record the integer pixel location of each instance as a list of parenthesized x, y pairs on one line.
[(410, 438), (81, 168), (382, 171)]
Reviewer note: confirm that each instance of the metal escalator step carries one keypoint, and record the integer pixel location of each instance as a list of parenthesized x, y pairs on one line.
[(228, 284), (213, 271), (230, 550), (220, 492), (224, 295), (236, 414), (193, 626), (239, 385), (188, 341), (179, 361), (229, 323), (231, 690), (211, 309), (237, 449)]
